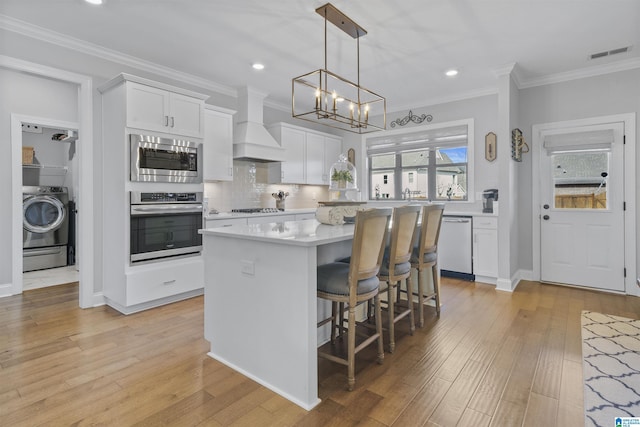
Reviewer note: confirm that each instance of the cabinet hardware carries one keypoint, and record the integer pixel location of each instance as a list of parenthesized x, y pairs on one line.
[(169, 282), (166, 120)]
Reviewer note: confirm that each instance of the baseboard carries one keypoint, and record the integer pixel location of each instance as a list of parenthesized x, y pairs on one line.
[(510, 285), (98, 299), (6, 290), (152, 304)]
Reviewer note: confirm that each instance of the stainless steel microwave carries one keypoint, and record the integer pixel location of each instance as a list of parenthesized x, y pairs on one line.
[(156, 159)]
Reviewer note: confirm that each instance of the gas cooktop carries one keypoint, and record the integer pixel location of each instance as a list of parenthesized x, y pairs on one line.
[(256, 210)]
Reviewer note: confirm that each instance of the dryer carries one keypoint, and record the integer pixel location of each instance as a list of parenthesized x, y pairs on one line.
[(45, 227)]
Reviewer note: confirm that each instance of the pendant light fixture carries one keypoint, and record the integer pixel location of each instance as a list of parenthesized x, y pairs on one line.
[(324, 97)]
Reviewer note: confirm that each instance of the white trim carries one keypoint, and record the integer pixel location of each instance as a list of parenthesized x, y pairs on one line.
[(86, 228), (423, 128), (598, 70), (59, 39), (629, 120)]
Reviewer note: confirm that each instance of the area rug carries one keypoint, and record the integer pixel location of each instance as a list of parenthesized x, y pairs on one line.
[(611, 368)]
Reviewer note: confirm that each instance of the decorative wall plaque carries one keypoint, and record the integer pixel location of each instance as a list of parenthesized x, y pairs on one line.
[(411, 118), (490, 146)]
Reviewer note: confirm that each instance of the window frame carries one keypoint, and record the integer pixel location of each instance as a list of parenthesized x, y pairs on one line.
[(405, 140)]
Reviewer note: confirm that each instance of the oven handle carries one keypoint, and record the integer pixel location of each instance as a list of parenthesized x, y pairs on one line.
[(164, 209)]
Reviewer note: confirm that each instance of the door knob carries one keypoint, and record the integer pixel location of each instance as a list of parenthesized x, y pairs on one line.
[(546, 206), (546, 217)]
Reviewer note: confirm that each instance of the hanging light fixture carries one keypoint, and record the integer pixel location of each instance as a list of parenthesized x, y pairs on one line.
[(324, 97)]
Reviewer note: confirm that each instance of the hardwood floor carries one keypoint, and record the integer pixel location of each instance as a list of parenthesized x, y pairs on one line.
[(492, 358)]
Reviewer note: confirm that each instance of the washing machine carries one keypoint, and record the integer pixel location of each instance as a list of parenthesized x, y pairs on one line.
[(45, 227)]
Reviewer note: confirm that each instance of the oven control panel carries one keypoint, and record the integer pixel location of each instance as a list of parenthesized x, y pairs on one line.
[(141, 197)]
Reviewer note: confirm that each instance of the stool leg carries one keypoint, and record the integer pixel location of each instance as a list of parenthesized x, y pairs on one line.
[(351, 348), (378, 316), (412, 320), (334, 326), (436, 286), (420, 298), (392, 314), (341, 320)]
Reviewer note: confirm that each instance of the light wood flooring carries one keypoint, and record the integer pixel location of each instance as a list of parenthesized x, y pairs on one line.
[(492, 358)]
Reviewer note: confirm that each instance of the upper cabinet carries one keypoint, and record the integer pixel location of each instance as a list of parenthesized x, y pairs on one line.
[(218, 144), (162, 108), (309, 155)]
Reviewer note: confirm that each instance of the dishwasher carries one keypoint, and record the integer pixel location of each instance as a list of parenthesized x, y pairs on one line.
[(455, 247)]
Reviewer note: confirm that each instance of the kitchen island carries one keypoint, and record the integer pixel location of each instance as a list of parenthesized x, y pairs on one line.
[(261, 308)]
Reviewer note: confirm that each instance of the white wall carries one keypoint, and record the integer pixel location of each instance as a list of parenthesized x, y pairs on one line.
[(615, 93), (27, 95)]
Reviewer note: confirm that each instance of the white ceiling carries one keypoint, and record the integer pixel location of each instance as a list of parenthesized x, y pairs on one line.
[(409, 45)]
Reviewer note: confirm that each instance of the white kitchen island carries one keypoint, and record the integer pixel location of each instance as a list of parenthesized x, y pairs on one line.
[(260, 300)]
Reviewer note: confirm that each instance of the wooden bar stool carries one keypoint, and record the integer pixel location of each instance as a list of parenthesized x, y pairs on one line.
[(356, 282), (425, 255), (396, 267)]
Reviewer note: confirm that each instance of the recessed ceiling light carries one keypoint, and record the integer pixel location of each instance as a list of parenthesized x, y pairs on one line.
[(94, 1), (451, 73), (258, 66)]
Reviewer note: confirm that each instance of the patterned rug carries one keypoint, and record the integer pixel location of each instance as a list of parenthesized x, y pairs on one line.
[(611, 368)]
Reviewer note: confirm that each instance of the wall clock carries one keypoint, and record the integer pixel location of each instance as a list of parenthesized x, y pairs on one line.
[(490, 146)]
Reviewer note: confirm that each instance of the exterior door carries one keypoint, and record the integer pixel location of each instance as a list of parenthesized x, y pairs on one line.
[(582, 224)]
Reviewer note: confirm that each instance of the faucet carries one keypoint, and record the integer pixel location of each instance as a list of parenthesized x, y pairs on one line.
[(407, 194)]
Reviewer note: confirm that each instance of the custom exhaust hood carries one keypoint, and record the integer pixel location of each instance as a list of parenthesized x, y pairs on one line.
[(251, 140)]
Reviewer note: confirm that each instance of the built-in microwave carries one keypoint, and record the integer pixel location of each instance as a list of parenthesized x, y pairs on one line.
[(156, 159)]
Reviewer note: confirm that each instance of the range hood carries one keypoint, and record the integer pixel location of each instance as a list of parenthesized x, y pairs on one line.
[(251, 140)]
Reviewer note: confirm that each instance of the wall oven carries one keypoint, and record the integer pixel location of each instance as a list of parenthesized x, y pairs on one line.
[(156, 159), (165, 225)]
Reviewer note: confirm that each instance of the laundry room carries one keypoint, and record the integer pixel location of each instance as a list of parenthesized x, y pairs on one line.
[(49, 212)]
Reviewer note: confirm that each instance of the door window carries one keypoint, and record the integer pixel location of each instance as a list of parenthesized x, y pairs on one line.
[(580, 179)]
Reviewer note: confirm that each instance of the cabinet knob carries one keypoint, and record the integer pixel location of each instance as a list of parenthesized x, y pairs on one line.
[(546, 217)]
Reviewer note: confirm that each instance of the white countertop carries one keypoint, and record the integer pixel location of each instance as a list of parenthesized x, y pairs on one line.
[(298, 233)]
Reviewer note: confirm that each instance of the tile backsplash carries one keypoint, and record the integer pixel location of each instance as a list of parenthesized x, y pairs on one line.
[(249, 189)]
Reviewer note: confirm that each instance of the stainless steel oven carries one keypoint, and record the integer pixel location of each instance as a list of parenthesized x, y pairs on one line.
[(165, 225), (156, 159)]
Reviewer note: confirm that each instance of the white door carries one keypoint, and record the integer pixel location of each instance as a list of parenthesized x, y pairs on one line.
[(582, 214)]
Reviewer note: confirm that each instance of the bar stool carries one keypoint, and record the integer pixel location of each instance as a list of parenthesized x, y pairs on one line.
[(356, 282), (425, 255), (396, 267)]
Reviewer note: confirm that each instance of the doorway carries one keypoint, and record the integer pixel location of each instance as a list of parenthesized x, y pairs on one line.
[(580, 196), (86, 228), (49, 197)]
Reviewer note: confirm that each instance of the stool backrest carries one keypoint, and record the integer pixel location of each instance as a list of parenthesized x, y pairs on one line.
[(403, 230), (369, 238), (430, 229)]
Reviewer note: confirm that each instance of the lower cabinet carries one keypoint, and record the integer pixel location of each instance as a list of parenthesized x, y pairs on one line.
[(161, 282), (227, 222), (156, 283), (485, 249)]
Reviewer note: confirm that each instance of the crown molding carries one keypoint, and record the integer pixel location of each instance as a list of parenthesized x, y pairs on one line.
[(68, 42), (597, 70)]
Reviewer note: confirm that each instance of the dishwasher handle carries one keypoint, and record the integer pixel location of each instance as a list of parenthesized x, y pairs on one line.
[(456, 220)]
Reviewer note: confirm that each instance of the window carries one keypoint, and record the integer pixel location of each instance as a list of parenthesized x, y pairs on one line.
[(431, 164)]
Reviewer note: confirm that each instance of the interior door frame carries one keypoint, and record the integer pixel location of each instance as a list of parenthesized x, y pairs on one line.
[(629, 191), (85, 183)]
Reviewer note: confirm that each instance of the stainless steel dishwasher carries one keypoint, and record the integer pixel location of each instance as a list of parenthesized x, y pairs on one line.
[(455, 247)]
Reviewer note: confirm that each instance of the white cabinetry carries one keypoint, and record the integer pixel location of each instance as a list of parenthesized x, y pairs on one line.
[(130, 105), (485, 249), (159, 110), (308, 155), (291, 170), (218, 144), (225, 222)]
